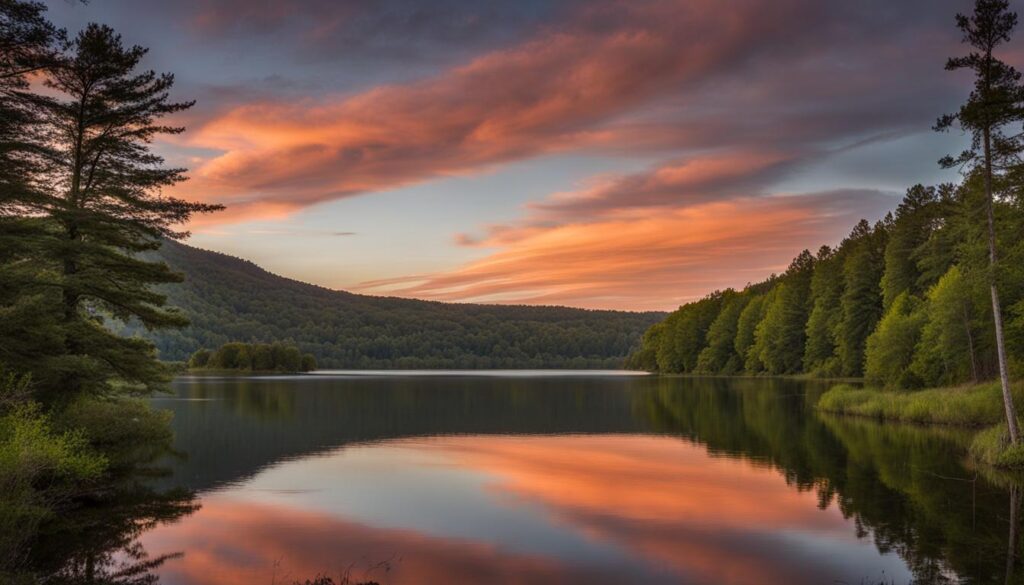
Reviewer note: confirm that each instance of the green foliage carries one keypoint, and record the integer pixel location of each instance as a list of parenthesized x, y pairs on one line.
[(228, 299), (199, 359), (825, 316), (308, 363), (861, 301), (93, 206), (911, 229), (781, 334), (646, 357), (978, 405), (890, 348), (948, 352), (127, 431), (683, 337), (746, 329), (720, 355), (40, 467), (823, 321), (254, 357)]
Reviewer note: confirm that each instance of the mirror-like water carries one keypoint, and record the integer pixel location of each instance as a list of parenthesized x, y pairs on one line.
[(565, 479)]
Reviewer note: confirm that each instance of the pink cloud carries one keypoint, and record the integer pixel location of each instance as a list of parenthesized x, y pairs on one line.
[(575, 86), (651, 258)]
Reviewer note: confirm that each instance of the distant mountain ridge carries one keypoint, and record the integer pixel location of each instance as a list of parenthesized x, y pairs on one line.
[(231, 299)]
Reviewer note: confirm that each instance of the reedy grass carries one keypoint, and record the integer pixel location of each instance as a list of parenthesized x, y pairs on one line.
[(973, 406), (977, 406), (992, 447)]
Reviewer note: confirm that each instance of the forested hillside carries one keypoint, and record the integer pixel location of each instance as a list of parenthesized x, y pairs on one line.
[(904, 302), (229, 299)]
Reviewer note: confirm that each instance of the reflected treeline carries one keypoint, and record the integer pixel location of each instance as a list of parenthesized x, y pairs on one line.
[(231, 428), (98, 544), (909, 488)]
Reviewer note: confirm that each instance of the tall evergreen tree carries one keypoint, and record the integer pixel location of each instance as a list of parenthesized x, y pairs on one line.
[(996, 102), (911, 228), (746, 331), (28, 45), (719, 356), (826, 312), (861, 301), (101, 194), (781, 335)]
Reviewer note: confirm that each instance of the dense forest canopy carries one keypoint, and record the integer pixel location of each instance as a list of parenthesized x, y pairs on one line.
[(229, 299), (904, 302)]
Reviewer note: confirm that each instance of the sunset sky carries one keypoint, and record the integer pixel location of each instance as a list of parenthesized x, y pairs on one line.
[(628, 155)]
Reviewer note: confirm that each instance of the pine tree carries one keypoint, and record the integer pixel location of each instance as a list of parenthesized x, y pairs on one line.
[(27, 46), (826, 313), (720, 356), (861, 301), (996, 102), (101, 194), (746, 329), (915, 219), (781, 335)]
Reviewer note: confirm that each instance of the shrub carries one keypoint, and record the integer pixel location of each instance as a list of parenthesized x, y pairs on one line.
[(39, 468), (128, 431)]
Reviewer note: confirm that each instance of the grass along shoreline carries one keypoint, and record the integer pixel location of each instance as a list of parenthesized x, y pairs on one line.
[(977, 406)]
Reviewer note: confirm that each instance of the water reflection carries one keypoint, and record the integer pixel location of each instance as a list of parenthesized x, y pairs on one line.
[(99, 544), (555, 480)]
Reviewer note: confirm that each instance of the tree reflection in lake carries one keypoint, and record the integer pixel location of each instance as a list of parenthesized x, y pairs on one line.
[(546, 479), (907, 487), (98, 543)]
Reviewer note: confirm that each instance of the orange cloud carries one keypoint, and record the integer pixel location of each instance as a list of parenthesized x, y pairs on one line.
[(557, 91), (700, 179), (645, 258)]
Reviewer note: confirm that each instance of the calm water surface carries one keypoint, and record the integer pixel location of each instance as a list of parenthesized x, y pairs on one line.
[(554, 478)]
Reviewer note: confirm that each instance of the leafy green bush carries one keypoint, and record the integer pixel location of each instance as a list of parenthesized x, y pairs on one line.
[(128, 431), (40, 467)]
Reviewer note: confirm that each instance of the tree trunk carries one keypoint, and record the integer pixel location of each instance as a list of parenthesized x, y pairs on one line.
[(997, 313)]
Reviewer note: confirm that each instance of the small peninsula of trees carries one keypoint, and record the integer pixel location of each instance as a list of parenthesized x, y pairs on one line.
[(253, 357)]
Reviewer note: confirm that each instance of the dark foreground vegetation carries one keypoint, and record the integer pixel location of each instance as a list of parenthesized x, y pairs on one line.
[(229, 299), (80, 202)]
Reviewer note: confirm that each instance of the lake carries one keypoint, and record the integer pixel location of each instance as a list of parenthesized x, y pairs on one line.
[(555, 477)]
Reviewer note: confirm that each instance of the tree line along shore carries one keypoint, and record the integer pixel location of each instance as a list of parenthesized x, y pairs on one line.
[(931, 296)]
